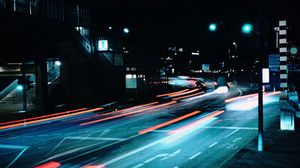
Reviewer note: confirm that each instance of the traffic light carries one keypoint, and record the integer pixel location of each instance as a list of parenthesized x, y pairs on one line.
[(247, 28), (24, 84), (212, 27), (20, 87)]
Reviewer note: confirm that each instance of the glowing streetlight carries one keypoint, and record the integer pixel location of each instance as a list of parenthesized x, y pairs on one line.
[(212, 27)]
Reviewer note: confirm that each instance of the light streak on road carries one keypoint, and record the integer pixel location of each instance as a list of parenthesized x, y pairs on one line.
[(52, 164), (49, 119), (44, 116), (178, 133), (251, 103), (200, 96), (126, 114), (221, 89), (23, 149), (240, 97), (127, 109), (185, 93), (168, 122), (195, 123), (187, 96), (172, 93)]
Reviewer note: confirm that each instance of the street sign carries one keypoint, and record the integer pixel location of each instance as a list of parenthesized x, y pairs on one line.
[(102, 45), (266, 75), (274, 62)]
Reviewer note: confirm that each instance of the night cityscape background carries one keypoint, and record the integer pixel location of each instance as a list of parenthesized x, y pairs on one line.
[(171, 84)]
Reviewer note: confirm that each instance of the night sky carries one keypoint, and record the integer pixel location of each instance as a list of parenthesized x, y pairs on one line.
[(157, 24)]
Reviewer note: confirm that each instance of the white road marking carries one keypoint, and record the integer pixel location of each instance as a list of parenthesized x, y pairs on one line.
[(229, 119), (174, 153), (213, 144), (171, 155), (138, 165), (155, 157), (133, 152), (231, 133), (197, 154), (104, 132), (237, 139), (85, 138)]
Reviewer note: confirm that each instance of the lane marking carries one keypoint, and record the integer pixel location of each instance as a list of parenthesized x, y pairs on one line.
[(85, 138), (213, 144), (138, 165), (133, 152), (155, 157), (171, 155), (231, 133), (197, 154), (237, 139)]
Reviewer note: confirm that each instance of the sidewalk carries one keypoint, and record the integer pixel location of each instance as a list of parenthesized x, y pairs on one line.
[(281, 150)]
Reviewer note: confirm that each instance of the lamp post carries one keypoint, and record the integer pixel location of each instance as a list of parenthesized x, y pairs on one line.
[(234, 57), (260, 43)]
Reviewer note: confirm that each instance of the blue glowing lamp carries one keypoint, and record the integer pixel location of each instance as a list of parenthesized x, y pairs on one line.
[(20, 87), (247, 28), (212, 27)]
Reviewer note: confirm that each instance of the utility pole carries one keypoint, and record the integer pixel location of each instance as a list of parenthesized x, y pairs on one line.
[(260, 43), (24, 87)]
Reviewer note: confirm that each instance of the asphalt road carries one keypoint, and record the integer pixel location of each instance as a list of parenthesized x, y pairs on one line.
[(198, 131)]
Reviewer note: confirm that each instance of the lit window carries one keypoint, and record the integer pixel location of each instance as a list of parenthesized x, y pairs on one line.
[(128, 76)]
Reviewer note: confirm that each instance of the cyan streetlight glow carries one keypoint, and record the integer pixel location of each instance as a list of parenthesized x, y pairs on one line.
[(126, 30), (212, 27), (247, 28)]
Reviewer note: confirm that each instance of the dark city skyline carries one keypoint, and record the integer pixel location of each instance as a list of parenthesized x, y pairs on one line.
[(156, 25)]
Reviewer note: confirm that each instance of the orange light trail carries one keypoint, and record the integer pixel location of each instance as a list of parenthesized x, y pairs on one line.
[(167, 94), (180, 94), (44, 116), (52, 164), (182, 97), (208, 117), (48, 119), (125, 114), (168, 122), (240, 97), (130, 108), (114, 112)]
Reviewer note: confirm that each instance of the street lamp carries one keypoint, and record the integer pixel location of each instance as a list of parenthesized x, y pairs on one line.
[(212, 27), (247, 28), (126, 30)]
